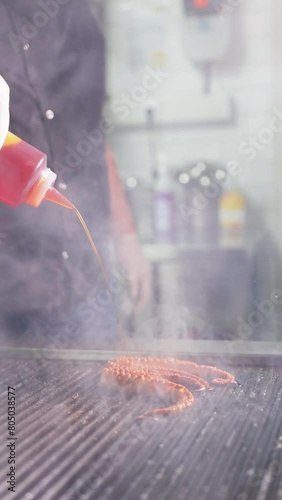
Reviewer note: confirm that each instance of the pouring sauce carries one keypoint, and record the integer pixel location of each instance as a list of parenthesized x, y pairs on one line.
[(56, 197), (25, 178)]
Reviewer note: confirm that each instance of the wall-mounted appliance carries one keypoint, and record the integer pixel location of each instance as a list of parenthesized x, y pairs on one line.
[(207, 31)]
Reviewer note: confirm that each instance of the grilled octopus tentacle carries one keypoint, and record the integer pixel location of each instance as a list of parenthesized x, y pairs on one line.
[(163, 376), (206, 371), (182, 396), (179, 376)]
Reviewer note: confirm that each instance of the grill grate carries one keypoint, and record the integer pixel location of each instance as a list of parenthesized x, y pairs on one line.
[(75, 442)]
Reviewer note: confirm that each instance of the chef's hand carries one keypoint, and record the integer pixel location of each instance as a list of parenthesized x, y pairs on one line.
[(129, 252), (136, 267), (4, 110)]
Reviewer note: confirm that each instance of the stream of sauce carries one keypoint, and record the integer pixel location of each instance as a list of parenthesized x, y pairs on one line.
[(93, 246), (56, 197), (103, 269)]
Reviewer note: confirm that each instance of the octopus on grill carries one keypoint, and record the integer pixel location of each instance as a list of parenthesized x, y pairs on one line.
[(166, 377)]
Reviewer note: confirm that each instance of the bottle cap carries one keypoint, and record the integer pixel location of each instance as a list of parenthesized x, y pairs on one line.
[(40, 189), (232, 201), (56, 197)]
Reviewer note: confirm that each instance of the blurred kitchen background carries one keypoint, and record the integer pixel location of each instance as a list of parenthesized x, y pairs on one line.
[(194, 99)]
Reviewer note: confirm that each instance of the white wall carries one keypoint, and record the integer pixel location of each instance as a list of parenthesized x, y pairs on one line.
[(246, 74)]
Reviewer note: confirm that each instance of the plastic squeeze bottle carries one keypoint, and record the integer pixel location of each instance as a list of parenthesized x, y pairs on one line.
[(25, 177), (4, 110), (232, 215)]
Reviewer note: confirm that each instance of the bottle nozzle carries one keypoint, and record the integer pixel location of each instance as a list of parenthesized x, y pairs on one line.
[(56, 197)]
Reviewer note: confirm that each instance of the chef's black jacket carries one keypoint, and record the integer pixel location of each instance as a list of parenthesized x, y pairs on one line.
[(52, 54)]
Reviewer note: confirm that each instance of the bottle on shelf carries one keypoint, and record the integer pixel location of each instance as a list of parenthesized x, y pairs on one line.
[(232, 215), (163, 202)]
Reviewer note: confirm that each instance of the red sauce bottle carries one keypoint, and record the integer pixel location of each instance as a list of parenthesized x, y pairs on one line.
[(25, 177)]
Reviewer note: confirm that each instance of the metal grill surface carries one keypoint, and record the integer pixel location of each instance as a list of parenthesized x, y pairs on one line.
[(76, 442)]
